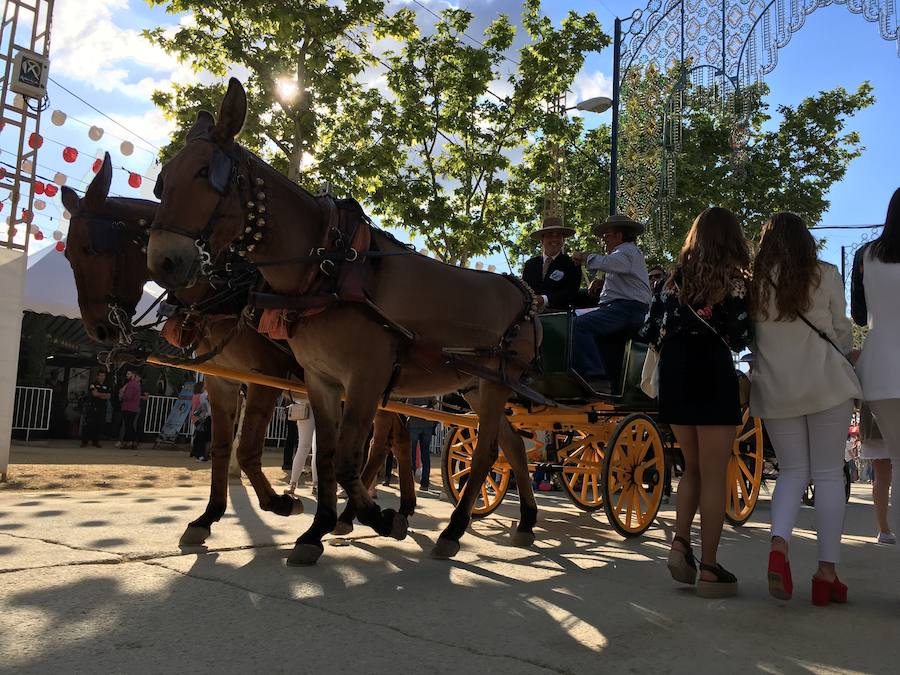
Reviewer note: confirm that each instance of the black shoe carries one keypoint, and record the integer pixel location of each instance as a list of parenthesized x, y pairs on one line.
[(425, 486), (386, 483)]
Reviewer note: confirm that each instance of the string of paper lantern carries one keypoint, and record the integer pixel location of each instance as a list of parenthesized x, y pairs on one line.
[(95, 133)]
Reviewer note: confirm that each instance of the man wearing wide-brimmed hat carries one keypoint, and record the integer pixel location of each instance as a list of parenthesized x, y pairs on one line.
[(625, 299), (553, 276)]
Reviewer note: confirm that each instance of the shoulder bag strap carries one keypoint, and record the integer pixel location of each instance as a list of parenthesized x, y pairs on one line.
[(705, 323), (815, 329)]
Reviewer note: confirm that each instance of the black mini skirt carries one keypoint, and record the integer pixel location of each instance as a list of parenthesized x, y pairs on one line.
[(698, 385)]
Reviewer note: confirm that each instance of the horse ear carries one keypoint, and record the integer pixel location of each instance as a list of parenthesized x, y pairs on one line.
[(71, 200), (98, 190), (204, 122), (232, 113)]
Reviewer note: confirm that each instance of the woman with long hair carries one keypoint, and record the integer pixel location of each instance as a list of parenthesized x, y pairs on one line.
[(698, 317), (803, 390), (877, 273)]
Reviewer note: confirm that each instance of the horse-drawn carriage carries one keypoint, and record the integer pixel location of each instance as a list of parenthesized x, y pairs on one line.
[(609, 453)]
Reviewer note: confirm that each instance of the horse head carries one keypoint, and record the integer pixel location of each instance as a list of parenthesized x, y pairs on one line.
[(202, 191), (106, 249)]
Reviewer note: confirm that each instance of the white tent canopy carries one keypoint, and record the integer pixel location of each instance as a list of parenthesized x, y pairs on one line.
[(50, 286)]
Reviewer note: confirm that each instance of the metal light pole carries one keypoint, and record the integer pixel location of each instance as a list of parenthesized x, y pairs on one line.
[(614, 139)]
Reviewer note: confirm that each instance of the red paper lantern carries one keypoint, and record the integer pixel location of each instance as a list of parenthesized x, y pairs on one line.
[(1, 206), (35, 141), (134, 180), (97, 164), (27, 215), (38, 235), (50, 190), (70, 154), (39, 187), (2, 172), (60, 246)]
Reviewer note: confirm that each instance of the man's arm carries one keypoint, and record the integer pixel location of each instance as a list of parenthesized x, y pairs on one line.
[(618, 262)]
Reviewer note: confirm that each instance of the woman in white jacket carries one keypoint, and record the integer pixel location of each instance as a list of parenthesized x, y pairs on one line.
[(803, 389)]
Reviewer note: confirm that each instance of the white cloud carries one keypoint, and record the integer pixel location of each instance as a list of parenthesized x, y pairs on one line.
[(89, 46), (588, 85)]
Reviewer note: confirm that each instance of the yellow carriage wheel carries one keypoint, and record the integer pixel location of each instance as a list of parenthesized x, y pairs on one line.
[(745, 469), (456, 466), (582, 468), (633, 472)]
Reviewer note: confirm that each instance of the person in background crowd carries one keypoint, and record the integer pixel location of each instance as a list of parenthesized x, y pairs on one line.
[(161, 386), (420, 433), (95, 410), (130, 402), (553, 276), (875, 302), (200, 416), (656, 275), (624, 300), (301, 413), (698, 317), (803, 389), (389, 432)]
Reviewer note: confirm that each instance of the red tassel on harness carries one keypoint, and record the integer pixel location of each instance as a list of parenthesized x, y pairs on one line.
[(273, 323)]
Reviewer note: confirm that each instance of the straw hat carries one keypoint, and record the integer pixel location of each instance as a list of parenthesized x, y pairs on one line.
[(552, 224), (615, 221)]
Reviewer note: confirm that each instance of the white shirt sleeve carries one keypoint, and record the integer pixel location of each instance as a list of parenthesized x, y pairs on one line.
[(618, 261)]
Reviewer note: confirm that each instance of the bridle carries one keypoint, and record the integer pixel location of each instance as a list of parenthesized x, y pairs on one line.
[(224, 176)]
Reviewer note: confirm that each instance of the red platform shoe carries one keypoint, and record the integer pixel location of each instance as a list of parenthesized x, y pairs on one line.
[(824, 592), (781, 585)]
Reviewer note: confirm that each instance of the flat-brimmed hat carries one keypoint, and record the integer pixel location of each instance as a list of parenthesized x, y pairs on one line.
[(552, 224), (615, 221)]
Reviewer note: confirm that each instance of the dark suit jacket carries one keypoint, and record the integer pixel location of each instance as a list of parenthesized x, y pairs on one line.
[(561, 283)]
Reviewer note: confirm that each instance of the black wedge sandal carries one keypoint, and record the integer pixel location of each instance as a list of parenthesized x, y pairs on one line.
[(683, 566), (725, 585)]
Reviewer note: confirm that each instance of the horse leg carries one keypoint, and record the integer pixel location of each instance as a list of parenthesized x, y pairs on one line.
[(514, 451), (361, 404), (491, 401), (258, 410), (222, 397), (378, 450), (325, 400), (405, 469)]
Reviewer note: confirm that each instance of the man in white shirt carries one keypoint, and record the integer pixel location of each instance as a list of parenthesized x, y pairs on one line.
[(625, 299)]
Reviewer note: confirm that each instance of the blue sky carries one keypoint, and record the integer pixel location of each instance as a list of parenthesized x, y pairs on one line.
[(99, 55)]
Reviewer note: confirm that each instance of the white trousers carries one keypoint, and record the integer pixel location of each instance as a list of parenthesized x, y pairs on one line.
[(811, 448), (306, 432), (887, 415)]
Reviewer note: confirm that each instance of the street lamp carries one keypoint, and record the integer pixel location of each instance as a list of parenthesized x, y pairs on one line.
[(598, 104)]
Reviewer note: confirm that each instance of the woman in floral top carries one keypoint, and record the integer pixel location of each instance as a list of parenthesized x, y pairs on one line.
[(697, 318)]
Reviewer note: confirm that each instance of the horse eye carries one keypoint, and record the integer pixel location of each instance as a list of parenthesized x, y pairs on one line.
[(203, 172)]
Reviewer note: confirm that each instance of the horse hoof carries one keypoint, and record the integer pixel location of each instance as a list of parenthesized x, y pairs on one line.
[(445, 549), (194, 535), (342, 529), (296, 507), (305, 554), (522, 539), (399, 527)]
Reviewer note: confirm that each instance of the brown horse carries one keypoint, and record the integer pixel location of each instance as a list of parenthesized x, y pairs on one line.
[(403, 332), (105, 249), (110, 282)]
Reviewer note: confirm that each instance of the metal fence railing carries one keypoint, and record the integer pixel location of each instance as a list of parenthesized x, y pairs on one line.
[(31, 409), (159, 407)]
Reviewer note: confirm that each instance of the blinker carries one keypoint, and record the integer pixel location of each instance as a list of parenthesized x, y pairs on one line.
[(219, 171), (106, 236)]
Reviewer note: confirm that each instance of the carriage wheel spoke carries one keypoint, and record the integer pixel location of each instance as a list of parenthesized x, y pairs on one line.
[(462, 472)]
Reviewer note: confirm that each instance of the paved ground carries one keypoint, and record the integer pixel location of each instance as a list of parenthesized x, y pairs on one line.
[(93, 581)]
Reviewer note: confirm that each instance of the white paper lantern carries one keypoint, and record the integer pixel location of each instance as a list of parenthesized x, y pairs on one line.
[(57, 235), (95, 133), (19, 102), (492, 268), (40, 204), (58, 117), (127, 147), (27, 166), (67, 215), (479, 265), (60, 178)]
